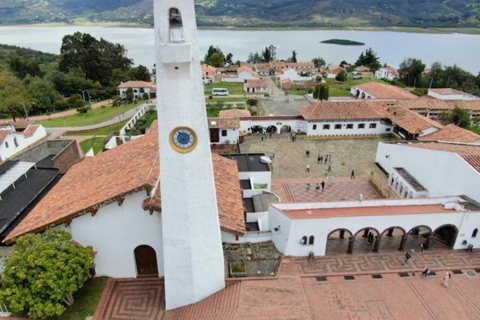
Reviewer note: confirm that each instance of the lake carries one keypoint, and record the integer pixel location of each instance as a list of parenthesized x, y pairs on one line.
[(391, 47)]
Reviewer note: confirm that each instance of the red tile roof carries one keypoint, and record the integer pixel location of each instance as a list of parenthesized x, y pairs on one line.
[(452, 133), (385, 91), (136, 84), (30, 131), (473, 160), (256, 84), (112, 175), (340, 111), (234, 113)]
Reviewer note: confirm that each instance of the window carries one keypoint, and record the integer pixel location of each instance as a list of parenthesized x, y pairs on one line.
[(361, 126), (224, 133), (15, 141), (387, 130), (338, 126), (304, 240), (326, 127), (350, 126), (311, 240), (373, 125), (314, 127), (474, 233)]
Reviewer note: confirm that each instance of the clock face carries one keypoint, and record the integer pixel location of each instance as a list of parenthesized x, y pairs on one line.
[(183, 139)]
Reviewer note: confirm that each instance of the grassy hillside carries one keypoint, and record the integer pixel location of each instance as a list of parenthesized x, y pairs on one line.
[(254, 13)]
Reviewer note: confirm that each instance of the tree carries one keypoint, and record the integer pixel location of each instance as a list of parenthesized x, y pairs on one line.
[(319, 62), (140, 73), (15, 100), (130, 95), (43, 94), (321, 92), (460, 117), (254, 57), (369, 59), (228, 59), (43, 272), (411, 71), (341, 76), (217, 60), (293, 58)]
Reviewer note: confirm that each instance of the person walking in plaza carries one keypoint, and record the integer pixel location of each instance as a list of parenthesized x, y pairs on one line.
[(319, 159), (352, 176), (308, 168), (308, 186), (407, 258), (317, 187), (422, 247), (326, 159), (329, 168), (307, 153), (446, 277), (323, 185), (425, 272)]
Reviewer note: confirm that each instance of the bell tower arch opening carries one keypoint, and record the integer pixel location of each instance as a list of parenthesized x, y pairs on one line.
[(175, 25)]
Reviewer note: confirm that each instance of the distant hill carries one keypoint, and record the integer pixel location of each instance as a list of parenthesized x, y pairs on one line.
[(254, 13)]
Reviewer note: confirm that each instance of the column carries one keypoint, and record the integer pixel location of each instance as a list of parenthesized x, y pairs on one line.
[(351, 241), (403, 242), (342, 234), (390, 232), (376, 244)]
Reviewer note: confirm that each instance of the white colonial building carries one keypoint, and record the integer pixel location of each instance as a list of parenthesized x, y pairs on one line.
[(387, 73), (243, 73), (138, 88), (12, 141)]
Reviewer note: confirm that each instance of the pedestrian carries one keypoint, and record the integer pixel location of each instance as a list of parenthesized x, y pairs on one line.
[(329, 168), (422, 247), (323, 185), (262, 138), (271, 133), (425, 272), (326, 159), (446, 278), (307, 153), (308, 168), (317, 187), (319, 158), (308, 186), (407, 257), (352, 176)]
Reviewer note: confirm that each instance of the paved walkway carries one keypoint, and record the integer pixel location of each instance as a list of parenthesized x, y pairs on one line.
[(375, 286)]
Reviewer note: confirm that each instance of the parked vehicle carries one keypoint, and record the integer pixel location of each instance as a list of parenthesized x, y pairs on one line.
[(220, 92)]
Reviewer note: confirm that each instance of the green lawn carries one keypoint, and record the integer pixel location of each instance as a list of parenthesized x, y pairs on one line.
[(233, 87), (91, 117), (95, 143), (342, 89), (215, 100), (150, 119), (86, 300), (474, 129), (98, 132)]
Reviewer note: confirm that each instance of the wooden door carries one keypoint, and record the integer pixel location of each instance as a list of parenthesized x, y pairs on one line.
[(214, 135), (146, 260)]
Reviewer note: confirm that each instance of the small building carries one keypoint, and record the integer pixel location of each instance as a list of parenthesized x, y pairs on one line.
[(387, 73), (452, 133), (224, 130), (450, 94), (344, 118), (208, 73), (255, 86), (13, 142), (292, 75), (138, 88), (243, 73), (362, 69), (380, 91)]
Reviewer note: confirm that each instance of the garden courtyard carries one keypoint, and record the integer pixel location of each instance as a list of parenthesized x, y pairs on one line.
[(290, 160)]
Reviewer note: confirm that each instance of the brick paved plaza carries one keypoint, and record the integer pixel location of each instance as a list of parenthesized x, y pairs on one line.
[(373, 286), (290, 160)]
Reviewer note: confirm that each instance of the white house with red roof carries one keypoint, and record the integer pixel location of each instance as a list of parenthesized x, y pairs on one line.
[(243, 73), (387, 73), (13, 141), (255, 86), (138, 87)]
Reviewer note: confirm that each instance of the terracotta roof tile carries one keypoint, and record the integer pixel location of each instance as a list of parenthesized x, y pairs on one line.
[(30, 131), (452, 133), (256, 84), (136, 84), (111, 175), (385, 91), (223, 123), (460, 149), (474, 161), (234, 113), (340, 110)]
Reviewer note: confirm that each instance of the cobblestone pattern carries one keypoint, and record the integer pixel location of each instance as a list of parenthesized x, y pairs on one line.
[(341, 189), (380, 262), (290, 160)]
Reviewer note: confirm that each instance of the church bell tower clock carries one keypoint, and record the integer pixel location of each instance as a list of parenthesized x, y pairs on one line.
[(192, 247)]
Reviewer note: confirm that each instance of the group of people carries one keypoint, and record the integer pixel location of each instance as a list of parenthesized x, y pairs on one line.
[(370, 239), (426, 272), (318, 186)]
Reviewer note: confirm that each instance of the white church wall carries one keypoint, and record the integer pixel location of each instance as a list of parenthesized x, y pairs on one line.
[(262, 177), (16, 142), (469, 224), (442, 173), (319, 128), (320, 228), (295, 125), (260, 217), (280, 237), (231, 136), (115, 231)]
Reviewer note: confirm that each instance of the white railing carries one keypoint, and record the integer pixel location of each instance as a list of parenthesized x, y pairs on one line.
[(141, 111)]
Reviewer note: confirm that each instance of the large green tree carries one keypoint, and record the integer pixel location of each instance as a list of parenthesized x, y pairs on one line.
[(369, 59), (341, 76), (319, 62), (321, 92), (411, 71), (14, 98), (43, 272), (43, 94)]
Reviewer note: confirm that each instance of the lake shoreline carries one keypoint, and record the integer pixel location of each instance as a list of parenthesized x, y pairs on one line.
[(472, 31)]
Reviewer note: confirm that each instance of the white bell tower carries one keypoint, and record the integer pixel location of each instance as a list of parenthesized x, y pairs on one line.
[(192, 247)]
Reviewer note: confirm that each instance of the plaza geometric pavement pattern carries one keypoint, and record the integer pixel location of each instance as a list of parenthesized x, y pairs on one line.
[(381, 287)]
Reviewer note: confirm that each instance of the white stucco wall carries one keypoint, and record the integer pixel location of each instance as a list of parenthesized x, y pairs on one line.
[(137, 92), (22, 142), (287, 240), (241, 77), (257, 177), (115, 231), (442, 173), (295, 125), (319, 131), (231, 137)]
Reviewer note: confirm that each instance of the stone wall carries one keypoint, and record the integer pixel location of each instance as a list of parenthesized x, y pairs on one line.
[(379, 181), (67, 157)]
